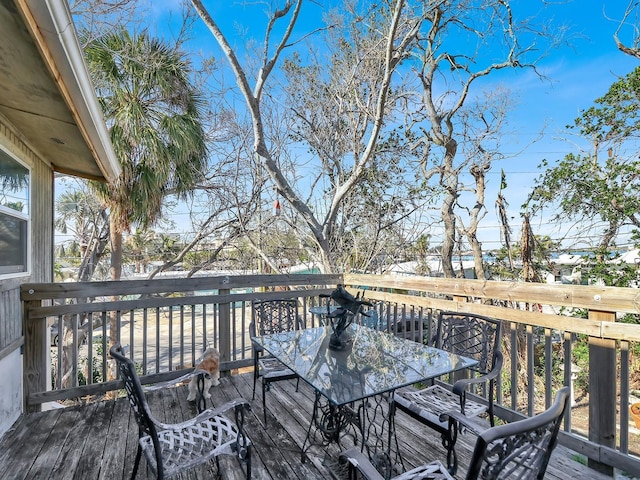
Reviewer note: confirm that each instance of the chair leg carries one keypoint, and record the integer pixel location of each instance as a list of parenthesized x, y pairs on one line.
[(243, 445), (201, 402), (248, 462), (255, 375), (449, 440), (264, 401), (135, 465)]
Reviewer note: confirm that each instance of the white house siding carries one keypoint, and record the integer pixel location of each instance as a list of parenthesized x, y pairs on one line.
[(41, 264), (10, 390)]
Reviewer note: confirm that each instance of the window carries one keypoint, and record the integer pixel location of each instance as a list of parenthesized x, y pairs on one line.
[(14, 215)]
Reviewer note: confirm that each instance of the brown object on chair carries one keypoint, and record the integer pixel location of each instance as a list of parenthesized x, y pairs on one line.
[(174, 448), (271, 316), (472, 336), (520, 450)]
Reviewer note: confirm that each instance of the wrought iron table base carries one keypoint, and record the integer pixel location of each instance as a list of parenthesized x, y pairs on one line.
[(377, 421), (329, 422), (372, 423)]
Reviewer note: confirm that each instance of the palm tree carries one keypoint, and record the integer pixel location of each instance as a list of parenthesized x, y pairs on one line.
[(137, 247), (81, 214), (154, 117)]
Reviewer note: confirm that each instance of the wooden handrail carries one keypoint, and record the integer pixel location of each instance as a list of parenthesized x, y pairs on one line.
[(42, 291), (613, 299)]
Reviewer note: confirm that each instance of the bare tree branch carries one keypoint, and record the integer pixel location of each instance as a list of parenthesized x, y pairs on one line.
[(633, 48)]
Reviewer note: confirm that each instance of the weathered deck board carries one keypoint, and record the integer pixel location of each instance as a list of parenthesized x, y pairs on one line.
[(98, 441), (279, 456), (52, 457), (20, 444)]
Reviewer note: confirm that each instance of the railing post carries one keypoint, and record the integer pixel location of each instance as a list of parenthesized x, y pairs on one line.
[(34, 356), (602, 391), (224, 339)]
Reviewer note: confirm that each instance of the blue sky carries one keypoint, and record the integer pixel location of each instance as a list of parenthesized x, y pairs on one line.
[(578, 72)]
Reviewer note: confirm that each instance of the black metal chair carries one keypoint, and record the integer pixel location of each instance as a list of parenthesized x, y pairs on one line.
[(472, 336), (519, 450), (271, 316), (174, 448)]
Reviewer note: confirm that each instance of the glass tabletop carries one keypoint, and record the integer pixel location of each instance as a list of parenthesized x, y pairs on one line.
[(374, 362), (322, 310)]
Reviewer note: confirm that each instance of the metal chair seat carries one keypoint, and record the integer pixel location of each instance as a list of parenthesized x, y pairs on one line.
[(174, 448), (272, 369), (432, 471), (191, 443), (433, 401)]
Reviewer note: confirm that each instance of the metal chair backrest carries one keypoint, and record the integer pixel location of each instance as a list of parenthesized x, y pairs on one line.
[(469, 335), (137, 399), (520, 449), (275, 316)]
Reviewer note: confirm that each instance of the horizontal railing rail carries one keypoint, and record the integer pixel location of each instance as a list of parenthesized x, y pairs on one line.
[(165, 324)]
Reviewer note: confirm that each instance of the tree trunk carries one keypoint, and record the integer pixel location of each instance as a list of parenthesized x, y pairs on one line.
[(476, 247), (70, 350), (449, 180), (449, 240), (476, 213), (116, 273), (95, 251), (115, 270)]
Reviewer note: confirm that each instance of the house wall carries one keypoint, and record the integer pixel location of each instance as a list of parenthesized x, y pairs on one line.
[(41, 270)]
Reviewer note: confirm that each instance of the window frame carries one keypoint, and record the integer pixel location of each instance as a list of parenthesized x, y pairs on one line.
[(20, 216)]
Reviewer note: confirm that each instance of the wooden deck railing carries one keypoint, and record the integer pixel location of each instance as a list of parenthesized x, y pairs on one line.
[(165, 324)]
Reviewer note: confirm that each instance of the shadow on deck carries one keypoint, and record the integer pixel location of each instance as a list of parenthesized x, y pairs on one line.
[(98, 441)]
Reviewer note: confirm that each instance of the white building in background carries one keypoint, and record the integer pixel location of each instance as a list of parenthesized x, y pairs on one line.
[(567, 270), (434, 265)]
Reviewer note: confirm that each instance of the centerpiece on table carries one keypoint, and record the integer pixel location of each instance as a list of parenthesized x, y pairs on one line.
[(340, 318)]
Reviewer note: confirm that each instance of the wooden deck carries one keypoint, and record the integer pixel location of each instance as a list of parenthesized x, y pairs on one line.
[(98, 441)]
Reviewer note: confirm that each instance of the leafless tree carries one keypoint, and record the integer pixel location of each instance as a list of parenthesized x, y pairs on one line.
[(629, 23), (99, 17), (482, 126), (489, 39), (397, 31)]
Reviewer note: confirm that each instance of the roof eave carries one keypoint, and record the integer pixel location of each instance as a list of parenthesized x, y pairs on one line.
[(53, 30)]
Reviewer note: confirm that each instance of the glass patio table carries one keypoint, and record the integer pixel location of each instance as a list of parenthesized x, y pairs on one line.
[(348, 382)]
